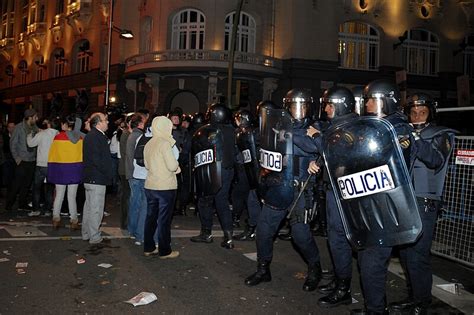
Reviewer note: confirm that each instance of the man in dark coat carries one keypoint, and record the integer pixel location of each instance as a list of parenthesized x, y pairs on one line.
[(98, 173)]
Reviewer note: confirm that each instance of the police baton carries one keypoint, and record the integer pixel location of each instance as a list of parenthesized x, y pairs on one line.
[(293, 205)]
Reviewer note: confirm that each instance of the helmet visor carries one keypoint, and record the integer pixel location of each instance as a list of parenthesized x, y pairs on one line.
[(298, 109)]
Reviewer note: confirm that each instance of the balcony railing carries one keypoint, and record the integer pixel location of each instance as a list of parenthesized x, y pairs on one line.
[(203, 55), (9, 41), (39, 28)]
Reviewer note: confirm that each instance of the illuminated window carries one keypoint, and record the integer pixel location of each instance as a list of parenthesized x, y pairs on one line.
[(358, 46), (245, 33), (421, 52), (82, 57), (469, 56), (146, 27), (58, 63), (188, 30), (23, 67), (8, 17)]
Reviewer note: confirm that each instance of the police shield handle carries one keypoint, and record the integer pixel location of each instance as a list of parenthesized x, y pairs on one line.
[(313, 167)]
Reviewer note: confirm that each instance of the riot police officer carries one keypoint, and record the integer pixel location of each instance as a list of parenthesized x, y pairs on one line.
[(382, 99), (282, 187), (339, 105), (245, 190), (434, 146), (214, 150)]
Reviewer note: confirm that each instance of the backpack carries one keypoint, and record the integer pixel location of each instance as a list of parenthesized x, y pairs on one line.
[(139, 150)]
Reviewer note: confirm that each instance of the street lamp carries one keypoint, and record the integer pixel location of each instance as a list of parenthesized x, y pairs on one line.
[(126, 34)]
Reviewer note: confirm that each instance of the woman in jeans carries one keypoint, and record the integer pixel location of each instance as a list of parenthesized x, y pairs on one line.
[(160, 188), (65, 168)]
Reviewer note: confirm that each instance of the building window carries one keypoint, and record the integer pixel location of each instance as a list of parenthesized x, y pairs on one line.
[(82, 56), (8, 15), (59, 63), (358, 46), (469, 56), (59, 7), (188, 30), (146, 27), (420, 52), (10, 75), (245, 33), (23, 67), (24, 16)]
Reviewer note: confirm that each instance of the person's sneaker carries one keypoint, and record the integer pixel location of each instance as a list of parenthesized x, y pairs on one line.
[(106, 214), (173, 254), (25, 208), (138, 243), (152, 253), (47, 214), (34, 213)]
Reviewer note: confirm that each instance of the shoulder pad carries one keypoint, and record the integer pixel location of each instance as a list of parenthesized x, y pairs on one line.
[(433, 131)]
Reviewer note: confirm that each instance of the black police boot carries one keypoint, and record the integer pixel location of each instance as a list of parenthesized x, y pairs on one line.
[(313, 277), (328, 288), (204, 237), (235, 221), (247, 235), (328, 275), (341, 295), (403, 305), (227, 242), (262, 275), (420, 309), (285, 236), (321, 230)]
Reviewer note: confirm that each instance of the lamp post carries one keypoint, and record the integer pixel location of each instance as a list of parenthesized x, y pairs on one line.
[(123, 34)]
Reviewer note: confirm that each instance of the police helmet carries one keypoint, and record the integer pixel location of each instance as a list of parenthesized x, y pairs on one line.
[(340, 98), (198, 119), (385, 96), (219, 114), (358, 93), (298, 103), (421, 99), (243, 118), (265, 104)]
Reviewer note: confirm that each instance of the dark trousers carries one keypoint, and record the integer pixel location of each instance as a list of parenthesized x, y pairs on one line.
[(160, 205), (124, 201), (373, 263), (21, 184), (254, 207), (240, 192), (267, 227), (184, 186), (221, 200), (416, 257), (39, 187), (341, 250)]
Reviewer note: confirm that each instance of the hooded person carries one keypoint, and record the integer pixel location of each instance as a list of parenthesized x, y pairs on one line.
[(160, 188)]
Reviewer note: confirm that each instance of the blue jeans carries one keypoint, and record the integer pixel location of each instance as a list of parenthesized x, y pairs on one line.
[(137, 208), (341, 250), (416, 257), (40, 186), (159, 214), (268, 225)]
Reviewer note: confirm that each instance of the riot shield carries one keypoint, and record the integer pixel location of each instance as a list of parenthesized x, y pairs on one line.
[(373, 190), (275, 180), (207, 150), (247, 146)]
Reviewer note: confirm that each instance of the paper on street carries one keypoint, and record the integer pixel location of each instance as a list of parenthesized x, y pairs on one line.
[(142, 298)]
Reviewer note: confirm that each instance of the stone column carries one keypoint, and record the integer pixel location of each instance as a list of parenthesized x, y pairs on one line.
[(269, 86), (153, 80)]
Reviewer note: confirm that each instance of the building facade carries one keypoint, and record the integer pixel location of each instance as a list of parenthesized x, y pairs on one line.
[(54, 53)]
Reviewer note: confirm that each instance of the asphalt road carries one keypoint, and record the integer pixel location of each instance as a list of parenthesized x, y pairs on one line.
[(205, 279)]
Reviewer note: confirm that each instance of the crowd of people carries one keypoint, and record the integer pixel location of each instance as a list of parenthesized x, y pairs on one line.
[(268, 164)]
